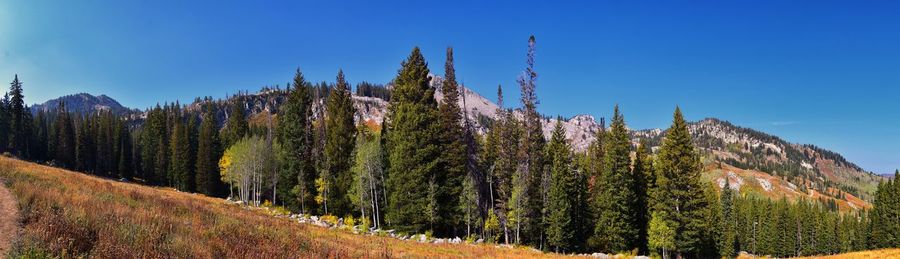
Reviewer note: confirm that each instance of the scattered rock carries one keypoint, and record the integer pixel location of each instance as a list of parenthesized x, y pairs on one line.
[(766, 185)]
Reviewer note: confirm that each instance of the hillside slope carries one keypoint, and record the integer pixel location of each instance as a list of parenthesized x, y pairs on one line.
[(817, 173), (68, 214), (84, 103)]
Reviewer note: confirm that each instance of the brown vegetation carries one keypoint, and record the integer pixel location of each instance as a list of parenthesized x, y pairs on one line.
[(69, 214)]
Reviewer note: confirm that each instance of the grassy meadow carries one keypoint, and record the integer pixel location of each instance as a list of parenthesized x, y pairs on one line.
[(67, 214)]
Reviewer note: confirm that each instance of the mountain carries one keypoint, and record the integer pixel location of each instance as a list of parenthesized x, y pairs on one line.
[(84, 103), (753, 162)]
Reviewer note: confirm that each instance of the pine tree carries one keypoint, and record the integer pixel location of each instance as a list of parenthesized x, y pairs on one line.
[(339, 141), (208, 179), (41, 136), (645, 179), (727, 246), (885, 214), (617, 226), (64, 146), (179, 165), (567, 198), (294, 131), (84, 146), (413, 146), (502, 150), (527, 195), (679, 192), (18, 134), (154, 143), (125, 166), (236, 127), (453, 156)]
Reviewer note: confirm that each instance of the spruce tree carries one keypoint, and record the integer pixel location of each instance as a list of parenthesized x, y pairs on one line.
[(84, 145), (208, 179), (885, 214), (236, 127), (125, 166), (679, 191), (413, 144), (617, 226), (179, 165), (727, 246), (18, 134), (41, 136), (503, 142), (339, 141), (567, 204), (527, 195), (453, 156), (294, 131), (64, 138), (645, 178)]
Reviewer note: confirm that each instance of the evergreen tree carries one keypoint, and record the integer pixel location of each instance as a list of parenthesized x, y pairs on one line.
[(617, 226), (885, 214), (413, 146), (339, 141), (208, 180), (502, 153), (453, 156), (179, 165), (567, 212), (236, 127), (125, 166), (18, 120), (84, 146), (527, 195), (41, 136), (154, 143), (294, 131), (645, 178), (727, 246), (64, 146), (679, 192)]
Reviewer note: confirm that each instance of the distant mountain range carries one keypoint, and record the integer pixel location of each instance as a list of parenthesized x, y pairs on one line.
[(84, 103), (753, 162)]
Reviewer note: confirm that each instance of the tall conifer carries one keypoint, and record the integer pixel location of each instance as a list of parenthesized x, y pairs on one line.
[(339, 141), (679, 191), (294, 131), (617, 226), (453, 156), (413, 146)]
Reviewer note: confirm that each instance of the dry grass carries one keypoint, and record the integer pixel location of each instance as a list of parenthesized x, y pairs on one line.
[(883, 253), (67, 214)]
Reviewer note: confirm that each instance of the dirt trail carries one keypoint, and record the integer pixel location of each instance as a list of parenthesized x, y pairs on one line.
[(9, 220)]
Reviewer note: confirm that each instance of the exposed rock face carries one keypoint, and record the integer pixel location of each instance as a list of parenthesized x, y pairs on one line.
[(84, 103), (801, 165)]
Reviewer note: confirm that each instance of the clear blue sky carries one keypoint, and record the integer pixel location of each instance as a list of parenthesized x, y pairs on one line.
[(819, 72)]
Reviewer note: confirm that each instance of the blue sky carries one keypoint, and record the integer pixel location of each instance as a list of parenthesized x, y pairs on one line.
[(816, 72)]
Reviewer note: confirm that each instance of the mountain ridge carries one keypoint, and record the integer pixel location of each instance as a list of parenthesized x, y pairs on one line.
[(84, 103), (801, 167)]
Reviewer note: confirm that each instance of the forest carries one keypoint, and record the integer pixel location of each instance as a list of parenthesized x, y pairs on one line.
[(424, 169)]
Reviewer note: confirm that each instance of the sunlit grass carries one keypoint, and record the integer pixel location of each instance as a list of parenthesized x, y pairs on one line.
[(67, 214)]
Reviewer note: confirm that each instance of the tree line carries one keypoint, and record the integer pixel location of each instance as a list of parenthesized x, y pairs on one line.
[(425, 170)]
